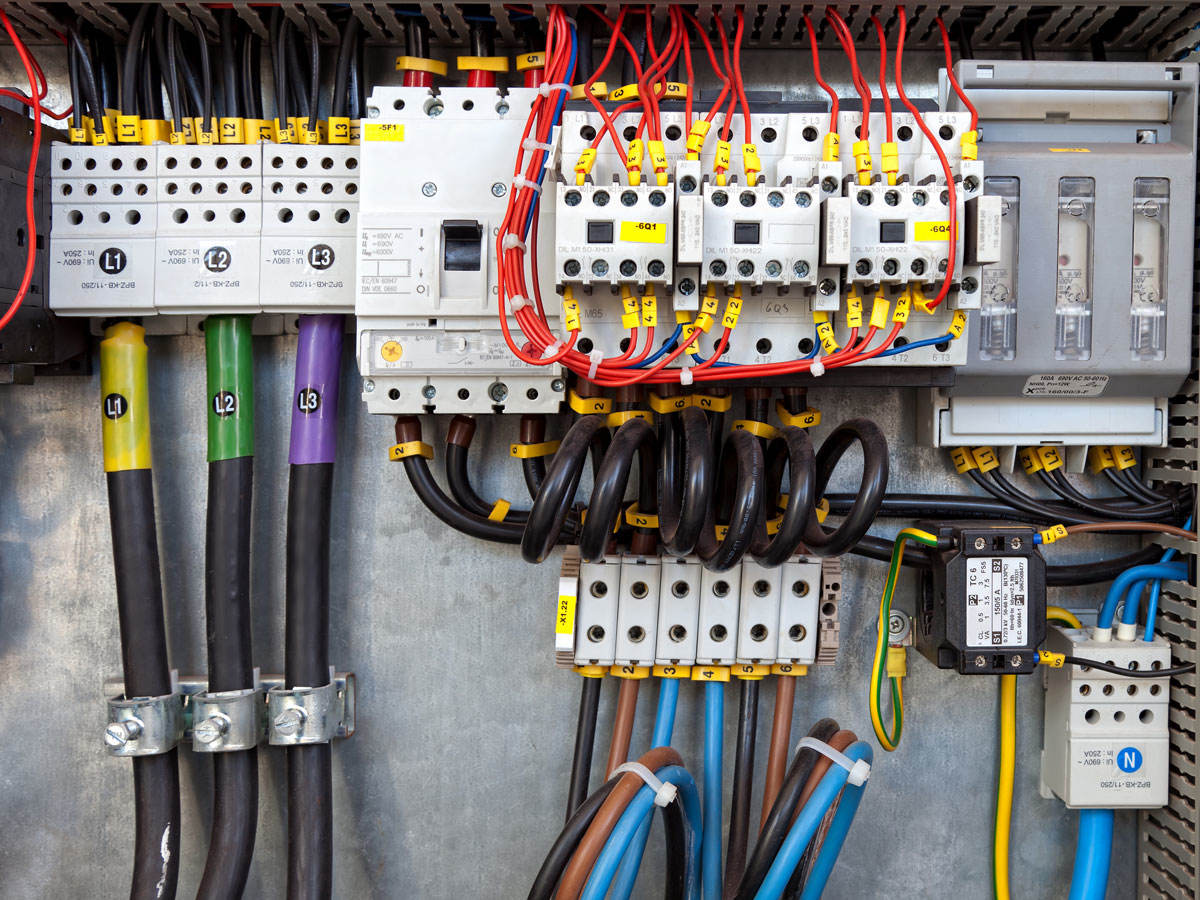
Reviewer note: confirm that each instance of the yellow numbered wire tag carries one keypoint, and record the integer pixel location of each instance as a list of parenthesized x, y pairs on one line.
[(709, 303), (672, 671), (418, 64), (527, 61), (674, 90), (1124, 457), (879, 312), (339, 129), (306, 135), (617, 419), (649, 310), (499, 511), (533, 451), (1053, 660), (826, 337), (591, 671), (599, 91), (156, 131), (690, 338), (283, 133), (1050, 458), (750, 671), (355, 131), (177, 138), (758, 429), (751, 164), (629, 303), (658, 155), (722, 157), (903, 307), (985, 459), (805, 419), (129, 129), (482, 63), (587, 406), (963, 459), (773, 525), (830, 147), (970, 149), (571, 318), (696, 137), (79, 136), (793, 669), (733, 309), (854, 309), (822, 510), (1053, 533), (410, 448), (958, 324), (633, 160), (583, 168), (704, 322), (862, 161), (710, 673), (634, 672), (889, 156), (625, 92), (638, 519), (711, 403), (261, 130), (189, 129), (1030, 461), (1099, 459), (233, 130), (662, 405)]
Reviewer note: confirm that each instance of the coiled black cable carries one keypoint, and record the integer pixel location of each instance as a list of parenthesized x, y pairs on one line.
[(553, 501), (685, 481), (871, 491), (793, 447), (636, 436), (742, 469)]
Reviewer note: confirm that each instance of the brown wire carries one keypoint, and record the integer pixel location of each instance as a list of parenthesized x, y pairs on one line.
[(1132, 526), (575, 875), (781, 736), (618, 750), (839, 742)]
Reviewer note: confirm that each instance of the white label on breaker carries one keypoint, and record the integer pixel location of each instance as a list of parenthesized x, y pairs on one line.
[(997, 613), (1065, 385)]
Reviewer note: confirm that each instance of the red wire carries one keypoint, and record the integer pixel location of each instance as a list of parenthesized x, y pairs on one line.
[(737, 69), (712, 58), (842, 30), (816, 58), (962, 95), (30, 177), (887, 101), (933, 142)]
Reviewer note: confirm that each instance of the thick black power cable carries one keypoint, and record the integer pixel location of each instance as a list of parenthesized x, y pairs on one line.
[(87, 79), (133, 50), (230, 84), (314, 84), (743, 785), (585, 742), (206, 75), (340, 101)]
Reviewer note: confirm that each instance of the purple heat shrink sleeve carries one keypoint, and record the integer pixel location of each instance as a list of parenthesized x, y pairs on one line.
[(314, 410)]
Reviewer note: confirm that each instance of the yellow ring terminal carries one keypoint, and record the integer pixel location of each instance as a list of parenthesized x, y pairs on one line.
[(672, 671), (419, 64), (1124, 457), (339, 129), (1029, 461), (527, 61), (985, 459), (1050, 458), (499, 511), (710, 673), (862, 161), (963, 459), (751, 671), (617, 419), (570, 311), (533, 451), (633, 161), (591, 671), (599, 91), (583, 168), (758, 429), (1100, 458), (633, 672), (696, 137), (854, 308), (587, 406), (410, 448), (1053, 660), (483, 63), (125, 398), (1053, 533), (889, 160), (805, 419), (879, 312), (792, 669), (903, 307), (958, 324), (639, 519), (751, 163), (663, 405), (969, 144), (830, 147), (711, 403)]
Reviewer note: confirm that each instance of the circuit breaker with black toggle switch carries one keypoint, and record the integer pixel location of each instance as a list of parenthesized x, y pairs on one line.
[(982, 608)]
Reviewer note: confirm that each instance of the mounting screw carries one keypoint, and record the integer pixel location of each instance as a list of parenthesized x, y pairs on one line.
[(368, 386), (498, 392), (1015, 543), (1015, 662), (898, 627), (557, 385), (980, 543), (829, 185), (429, 189), (828, 287), (969, 285), (290, 720), (745, 268), (118, 734), (971, 183), (210, 729), (429, 392), (980, 662), (499, 189), (800, 269), (686, 287)]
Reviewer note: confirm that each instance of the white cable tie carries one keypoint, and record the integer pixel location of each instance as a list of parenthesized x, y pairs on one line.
[(521, 181), (510, 241), (533, 144), (545, 89), (552, 350), (664, 791), (817, 369), (595, 356), (516, 303), (858, 770), (685, 376)]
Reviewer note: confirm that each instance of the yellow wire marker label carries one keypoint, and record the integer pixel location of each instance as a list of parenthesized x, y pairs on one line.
[(669, 404), (903, 307), (825, 335), (695, 138), (793, 669), (854, 310), (634, 672), (963, 459), (1049, 458), (1029, 461), (233, 130), (985, 459), (879, 312), (1053, 533), (805, 419), (629, 303), (1053, 660), (617, 419), (723, 155), (339, 129), (733, 309), (527, 61), (383, 131), (587, 406), (564, 620), (640, 519), (710, 673), (1100, 458), (410, 448), (758, 429), (709, 402), (418, 64), (751, 671), (672, 671), (571, 320), (129, 129), (533, 451), (959, 323), (125, 398), (499, 511), (483, 63), (644, 232), (1124, 457)]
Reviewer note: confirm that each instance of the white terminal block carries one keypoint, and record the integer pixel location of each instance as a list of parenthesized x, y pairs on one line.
[(678, 612), (209, 220), (1106, 743), (716, 633), (596, 612), (102, 236), (309, 220), (761, 235), (612, 234), (799, 604), (758, 616), (689, 214), (637, 611)]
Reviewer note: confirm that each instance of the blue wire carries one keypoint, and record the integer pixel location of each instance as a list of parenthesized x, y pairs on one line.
[(1122, 583), (714, 731), (663, 350), (816, 348), (928, 342), (1089, 881), (838, 829), (806, 825), (664, 726), (642, 807), (1156, 589)]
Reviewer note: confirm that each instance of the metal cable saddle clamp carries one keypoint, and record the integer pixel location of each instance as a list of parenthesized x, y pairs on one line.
[(309, 715), (144, 726), (225, 721)]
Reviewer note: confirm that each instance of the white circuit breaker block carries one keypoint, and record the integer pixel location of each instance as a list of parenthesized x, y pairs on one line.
[(717, 630), (761, 235), (596, 613), (309, 220), (900, 233), (102, 237), (637, 611), (611, 234), (799, 602), (758, 616), (678, 612), (209, 221), (1106, 740)]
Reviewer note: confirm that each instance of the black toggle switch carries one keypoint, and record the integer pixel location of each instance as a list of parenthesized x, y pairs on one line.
[(462, 245)]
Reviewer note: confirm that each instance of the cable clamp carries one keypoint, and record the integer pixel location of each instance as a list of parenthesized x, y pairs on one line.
[(227, 721), (664, 791), (516, 303), (305, 715), (597, 357), (545, 89), (511, 240), (144, 726), (521, 181), (534, 144), (859, 769)]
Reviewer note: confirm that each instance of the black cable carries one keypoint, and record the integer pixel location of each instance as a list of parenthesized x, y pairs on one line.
[(314, 84), (153, 84), (192, 93), (676, 846), (306, 664), (206, 77), (104, 52), (423, 483), (87, 79), (355, 88), (1130, 673), (1058, 483), (1129, 482), (77, 101), (584, 32), (933, 506), (683, 507), (743, 785), (779, 821), (1006, 492), (793, 447), (416, 37), (464, 493), (636, 436), (340, 101), (147, 674), (164, 46), (229, 65), (295, 74), (563, 848), (278, 37), (133, 49), (251, 73), (553, 502), (742, 467), (533, 468), (871, 489), (585, 742)]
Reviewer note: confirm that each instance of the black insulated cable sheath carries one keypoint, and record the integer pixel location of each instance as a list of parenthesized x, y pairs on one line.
[(871, 490), (563, 848), (533, 468), (133, 49), (742, 468), (87, 78), (743, 785), (549, 511), (206, 75), (633, 437), (683, 505), (314, 74), (340, 102), (585, 742), (230, 83), (794, 447)]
